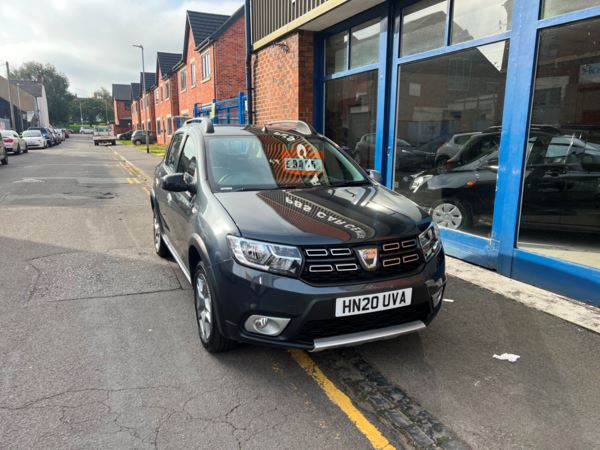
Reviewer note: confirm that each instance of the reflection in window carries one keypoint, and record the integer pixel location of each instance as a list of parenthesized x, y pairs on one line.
[(423, 26), (474, 19), (351, 115), (560, 215), (555, 7), (448, 134), (336, 53), (364, 48)]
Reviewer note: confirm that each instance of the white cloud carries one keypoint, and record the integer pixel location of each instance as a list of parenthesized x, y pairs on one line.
[(90, 40)]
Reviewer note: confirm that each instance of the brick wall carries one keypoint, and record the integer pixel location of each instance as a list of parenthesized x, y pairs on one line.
[(283, 79), (136, 120), (166, 108), (122, 110), (229, 64), (148, 115)]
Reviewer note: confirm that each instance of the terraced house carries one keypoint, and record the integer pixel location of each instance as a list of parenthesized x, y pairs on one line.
[(485, 112), (166, 96), (136, 118), (147, 107), (213, 59), (121, 94)]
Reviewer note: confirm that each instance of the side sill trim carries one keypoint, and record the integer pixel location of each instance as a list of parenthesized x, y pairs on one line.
[(363, 337), (184, 269)]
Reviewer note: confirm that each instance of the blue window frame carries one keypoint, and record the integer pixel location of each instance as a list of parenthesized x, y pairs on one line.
[(500, 251)]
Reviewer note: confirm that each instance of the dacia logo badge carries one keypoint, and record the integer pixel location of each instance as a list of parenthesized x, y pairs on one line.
[(368, 257)]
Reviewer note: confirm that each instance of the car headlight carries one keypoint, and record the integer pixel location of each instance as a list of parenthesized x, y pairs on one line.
[(265, 256), (430, 241), (419, 181)]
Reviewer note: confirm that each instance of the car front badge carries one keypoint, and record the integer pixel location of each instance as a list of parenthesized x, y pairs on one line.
[(368, 257)]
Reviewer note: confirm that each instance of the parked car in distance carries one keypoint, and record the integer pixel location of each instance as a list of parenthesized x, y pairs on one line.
[(86, 130), (138, 137), (340, 259), (451, 147), (47, 135), (13, 142), (35, 139), (3, 154), (125, 136), (67, 133)]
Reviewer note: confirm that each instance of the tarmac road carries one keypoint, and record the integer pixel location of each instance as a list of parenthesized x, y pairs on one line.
[(99, 346)]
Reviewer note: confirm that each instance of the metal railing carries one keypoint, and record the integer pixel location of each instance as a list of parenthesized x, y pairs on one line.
[(230, 111)]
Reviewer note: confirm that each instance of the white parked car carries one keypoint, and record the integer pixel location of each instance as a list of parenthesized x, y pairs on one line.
[(86, 130), (35, 139), (13, 142)]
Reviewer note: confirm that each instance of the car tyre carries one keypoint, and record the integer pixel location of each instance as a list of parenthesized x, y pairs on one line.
[(137, 142), (4, 161), (159, 243), (18, 150), (26, 149), (452, 213), (206, 315)]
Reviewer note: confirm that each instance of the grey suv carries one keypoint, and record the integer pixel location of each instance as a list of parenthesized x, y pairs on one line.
[(287, 242)]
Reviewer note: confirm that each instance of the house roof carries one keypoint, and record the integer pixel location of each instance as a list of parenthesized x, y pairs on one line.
[(202, 26), (33, 87), (224, 26), (135, 91), (166, 62), (150, 81), (121, 91)]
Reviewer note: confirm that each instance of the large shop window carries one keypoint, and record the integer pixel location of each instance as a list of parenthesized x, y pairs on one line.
[(448, 134), (560, 213), (555, 7), (351, 115)]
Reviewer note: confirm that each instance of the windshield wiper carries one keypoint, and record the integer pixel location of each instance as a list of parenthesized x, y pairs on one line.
[(350, 183)]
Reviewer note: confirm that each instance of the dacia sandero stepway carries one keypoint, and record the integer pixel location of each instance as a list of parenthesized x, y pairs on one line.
[(288, 242)]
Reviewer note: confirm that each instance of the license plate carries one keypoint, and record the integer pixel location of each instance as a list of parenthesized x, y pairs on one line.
[(304, 165), (364, 304)]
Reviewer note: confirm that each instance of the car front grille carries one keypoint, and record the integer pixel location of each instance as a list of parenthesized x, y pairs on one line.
[(338, 264), (314, 329)]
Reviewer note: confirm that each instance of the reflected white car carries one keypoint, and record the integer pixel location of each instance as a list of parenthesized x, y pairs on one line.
[(34, 139), (13, 142)]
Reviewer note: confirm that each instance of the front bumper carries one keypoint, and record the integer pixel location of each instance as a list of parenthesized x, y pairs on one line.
[(242, 291)]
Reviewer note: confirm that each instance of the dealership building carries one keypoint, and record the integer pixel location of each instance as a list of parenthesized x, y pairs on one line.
[(485, 112)]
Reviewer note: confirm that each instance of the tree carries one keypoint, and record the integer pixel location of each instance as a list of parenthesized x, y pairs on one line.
[(56, 84), (104, 95), (93, 110)]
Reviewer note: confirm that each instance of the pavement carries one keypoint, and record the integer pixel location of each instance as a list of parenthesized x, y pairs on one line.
[(99, 346)]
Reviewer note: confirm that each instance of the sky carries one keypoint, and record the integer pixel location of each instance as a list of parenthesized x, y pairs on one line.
[(90, 41)]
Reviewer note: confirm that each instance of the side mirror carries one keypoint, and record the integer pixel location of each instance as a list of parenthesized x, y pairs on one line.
[(375, 175), (178, 182)]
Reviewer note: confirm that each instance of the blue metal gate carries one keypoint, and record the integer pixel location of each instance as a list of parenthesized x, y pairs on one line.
[(228, 111)]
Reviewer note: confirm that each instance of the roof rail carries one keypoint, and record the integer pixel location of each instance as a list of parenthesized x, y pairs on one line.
[(206, 123), (292, 125)]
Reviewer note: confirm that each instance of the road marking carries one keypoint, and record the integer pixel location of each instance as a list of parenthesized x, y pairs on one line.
[(342, 401)]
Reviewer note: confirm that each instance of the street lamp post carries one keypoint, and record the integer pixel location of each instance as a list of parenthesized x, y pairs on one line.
[(19, 104), (80, 113), (146, 105)]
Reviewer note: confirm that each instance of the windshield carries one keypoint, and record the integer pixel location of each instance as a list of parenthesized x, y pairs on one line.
[(277, 160), (32, 133)]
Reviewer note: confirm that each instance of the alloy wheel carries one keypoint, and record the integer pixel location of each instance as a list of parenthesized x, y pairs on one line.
[(203, 307), (448, 215)]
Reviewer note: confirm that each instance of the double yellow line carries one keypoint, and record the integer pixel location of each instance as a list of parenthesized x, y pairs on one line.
[(136, 174)]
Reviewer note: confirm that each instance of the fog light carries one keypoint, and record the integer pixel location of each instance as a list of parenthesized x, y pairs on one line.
[(269, 326)]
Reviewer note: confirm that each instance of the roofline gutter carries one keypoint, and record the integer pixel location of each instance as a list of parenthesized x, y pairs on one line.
[(249, 90)]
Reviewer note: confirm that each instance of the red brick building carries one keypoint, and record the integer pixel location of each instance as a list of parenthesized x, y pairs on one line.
[(147, 106), (166, 96), (283, 79), (136, 117), (213, 60), (121, 94)]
